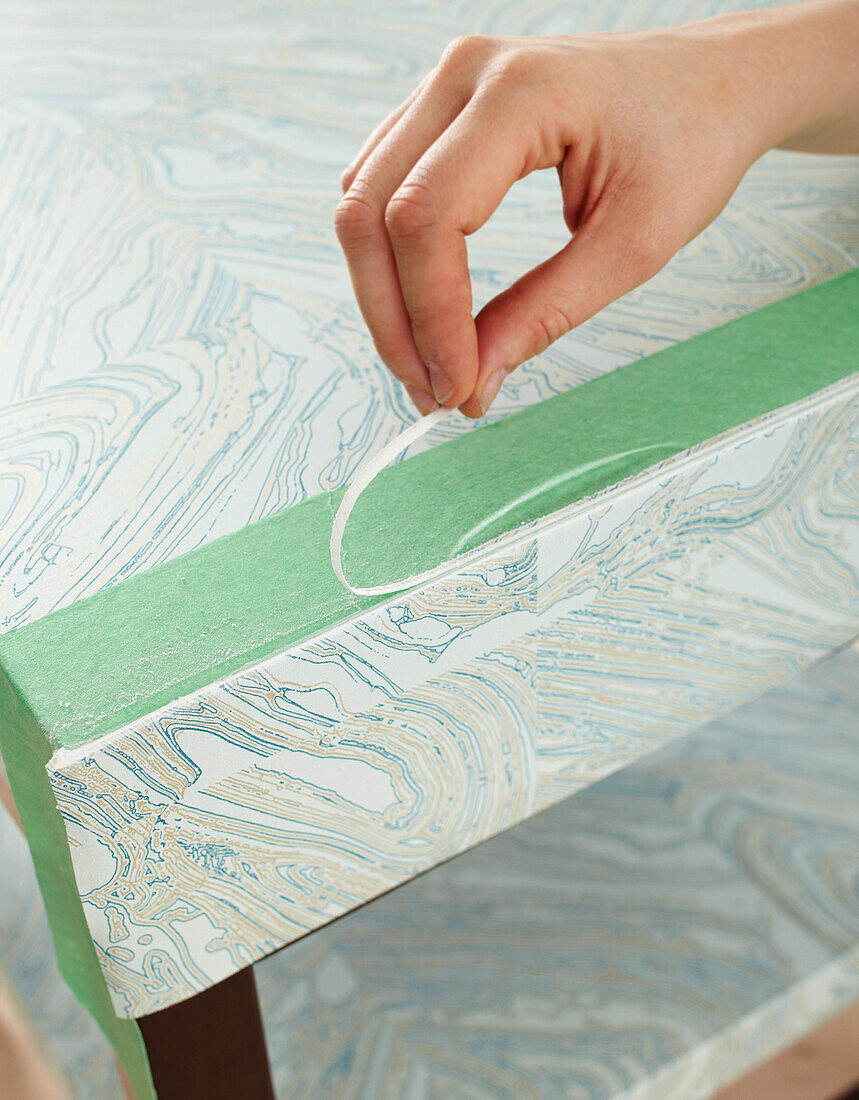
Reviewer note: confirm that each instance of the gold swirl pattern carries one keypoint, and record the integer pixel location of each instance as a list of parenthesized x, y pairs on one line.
[(235, 820)]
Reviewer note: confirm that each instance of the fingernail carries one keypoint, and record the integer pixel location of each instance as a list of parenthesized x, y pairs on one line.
[(491, 388), (440, 383), (423, 402)]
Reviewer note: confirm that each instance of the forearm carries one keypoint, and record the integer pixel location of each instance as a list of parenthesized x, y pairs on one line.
[(792, 72)]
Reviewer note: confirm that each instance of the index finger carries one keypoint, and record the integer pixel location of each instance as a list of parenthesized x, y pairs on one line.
[(449, 194)]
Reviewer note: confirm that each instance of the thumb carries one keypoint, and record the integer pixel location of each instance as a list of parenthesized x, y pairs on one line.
[(601, 263)]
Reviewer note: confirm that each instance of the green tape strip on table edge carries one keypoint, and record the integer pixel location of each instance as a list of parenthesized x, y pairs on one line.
[(115, 656)]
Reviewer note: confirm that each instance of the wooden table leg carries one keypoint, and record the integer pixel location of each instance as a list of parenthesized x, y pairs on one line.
[(212, 1046), (823, 1065)]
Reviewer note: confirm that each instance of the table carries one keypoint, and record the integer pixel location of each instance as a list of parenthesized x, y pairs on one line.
[(185, 359), (569, 947)]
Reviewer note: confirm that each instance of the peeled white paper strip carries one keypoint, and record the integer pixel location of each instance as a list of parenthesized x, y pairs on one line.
[(374, 466), (364, 475)]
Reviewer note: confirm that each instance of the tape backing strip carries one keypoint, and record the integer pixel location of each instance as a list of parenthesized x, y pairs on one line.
[(367, 473)]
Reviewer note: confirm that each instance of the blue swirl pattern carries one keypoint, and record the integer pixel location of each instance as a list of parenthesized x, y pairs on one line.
[(182, 355), (650, 939), (181, 350), (235, 820)]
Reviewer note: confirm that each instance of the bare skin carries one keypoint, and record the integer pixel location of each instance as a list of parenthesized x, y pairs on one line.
[(650, 134)]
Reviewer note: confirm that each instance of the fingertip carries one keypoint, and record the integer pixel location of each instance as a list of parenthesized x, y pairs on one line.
[(489, 389), (481, 399), (442, 387), (471, 408), (496, 362), (453, 384), (424, 402)]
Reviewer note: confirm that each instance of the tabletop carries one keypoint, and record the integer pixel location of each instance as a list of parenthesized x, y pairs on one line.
[(182, 351)]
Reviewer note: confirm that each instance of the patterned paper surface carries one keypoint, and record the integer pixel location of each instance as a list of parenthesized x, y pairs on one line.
[(237, 819), (181, 351), (662, 931), (182, 355)]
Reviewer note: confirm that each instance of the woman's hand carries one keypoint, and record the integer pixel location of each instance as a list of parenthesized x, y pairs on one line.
[(650, 134)]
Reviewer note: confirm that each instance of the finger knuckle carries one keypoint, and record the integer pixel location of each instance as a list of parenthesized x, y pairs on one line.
[(356, 218), (646, 254), (466, 51), (348, 178), (411, 212), (513, 69), (550, 325)]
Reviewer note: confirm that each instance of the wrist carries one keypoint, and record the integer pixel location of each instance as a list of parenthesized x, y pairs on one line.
[(740, 63), (786, 75)]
